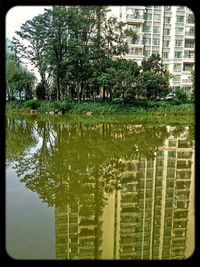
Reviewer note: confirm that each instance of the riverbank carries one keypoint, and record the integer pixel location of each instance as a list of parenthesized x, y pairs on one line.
[(180, 114), (163, 108)]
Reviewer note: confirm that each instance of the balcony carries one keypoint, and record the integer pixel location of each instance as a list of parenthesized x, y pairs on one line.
[(134, 19), (186, 81), (190, 21), (189, 34), (188, 59)]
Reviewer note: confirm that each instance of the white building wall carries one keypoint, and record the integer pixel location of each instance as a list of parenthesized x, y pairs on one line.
[(178, 67)]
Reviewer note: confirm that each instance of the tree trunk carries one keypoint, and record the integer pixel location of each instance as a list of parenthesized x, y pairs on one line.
[(104, 92), (79, 93), (58, 87)]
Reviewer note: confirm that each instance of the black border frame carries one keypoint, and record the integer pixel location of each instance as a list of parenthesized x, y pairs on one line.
[(5, 5)]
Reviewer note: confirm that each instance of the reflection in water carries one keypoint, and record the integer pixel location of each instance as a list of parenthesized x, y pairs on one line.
[(119, 191)]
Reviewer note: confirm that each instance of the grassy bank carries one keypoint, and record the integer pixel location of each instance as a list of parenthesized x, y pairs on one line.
[(141, 108), (151, 112)]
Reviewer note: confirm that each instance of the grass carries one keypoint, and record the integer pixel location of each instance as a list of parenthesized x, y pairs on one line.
[(142, 108)]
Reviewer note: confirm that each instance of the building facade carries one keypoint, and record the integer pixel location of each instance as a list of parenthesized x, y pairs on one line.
[(148, 217), (154, 202), (167, 30)]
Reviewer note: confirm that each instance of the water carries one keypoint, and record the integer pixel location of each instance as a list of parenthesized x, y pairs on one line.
[(86, 190)]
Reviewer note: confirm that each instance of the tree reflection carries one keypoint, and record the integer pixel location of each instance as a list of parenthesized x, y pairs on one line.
[(19, 138), (75, 167)]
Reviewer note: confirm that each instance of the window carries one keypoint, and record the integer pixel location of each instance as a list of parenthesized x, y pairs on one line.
[(165, 54), (138, 51), (147, 41), (190, 18), (156, 29), (179, 30), (180, 19), (189, 43), (156, 41), (158, 8), (166, 67), (148, 16), (167, 20), (177, 78), (135, 51), (166, 43), (166, 31), (147, 28), (178, 54), (147, 53), (180, 8), (172, 153), (189, 54), (187, 67), (189, 31), (156, 17), (177, 66), (155, 50), (167, 8), (178, 43)]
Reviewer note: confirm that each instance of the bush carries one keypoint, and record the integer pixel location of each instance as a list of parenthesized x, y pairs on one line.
[(118, 100), (181, 95), (13, 104), (32, 104), (66, 105), (151, 104)]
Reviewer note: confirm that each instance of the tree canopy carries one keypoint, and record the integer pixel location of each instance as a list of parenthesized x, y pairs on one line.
[(79, 50)]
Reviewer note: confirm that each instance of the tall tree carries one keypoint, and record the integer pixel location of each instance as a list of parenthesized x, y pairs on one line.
[(31, 45), (152, 85), (19, 80)]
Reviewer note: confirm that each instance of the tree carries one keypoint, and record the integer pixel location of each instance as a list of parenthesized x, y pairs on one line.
[(72, 46), (31, 44), (153, 64), (152, 85), (192, 73), (126, 74), (19, 80), (113, 44)]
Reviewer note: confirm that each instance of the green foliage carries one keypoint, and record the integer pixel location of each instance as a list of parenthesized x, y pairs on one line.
[(152, 85), (62, 105), (56, 43), (18, 79), (151, 104), (13, 105), (33, 104), (40, 91), (118, 100), (181, 95), (153, 64), (192, 73), (142, 107)]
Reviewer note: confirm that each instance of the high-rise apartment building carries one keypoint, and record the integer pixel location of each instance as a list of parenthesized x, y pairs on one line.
[(149, 217), (154, 202), (167, 30)]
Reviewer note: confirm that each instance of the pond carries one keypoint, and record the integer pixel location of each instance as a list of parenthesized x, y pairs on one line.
[(80, 189)]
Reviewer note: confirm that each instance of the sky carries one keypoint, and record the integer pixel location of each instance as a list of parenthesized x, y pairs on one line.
[(18, 15)]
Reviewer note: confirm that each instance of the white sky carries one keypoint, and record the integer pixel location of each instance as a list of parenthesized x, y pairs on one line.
[(18, 15)]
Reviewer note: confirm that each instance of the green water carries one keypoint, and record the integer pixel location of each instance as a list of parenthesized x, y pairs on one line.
[(80, 189)]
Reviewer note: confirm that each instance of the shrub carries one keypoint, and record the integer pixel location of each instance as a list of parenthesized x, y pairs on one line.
[(151, 104), (181, 95), (33, 104), (118, 100), (13, 104)]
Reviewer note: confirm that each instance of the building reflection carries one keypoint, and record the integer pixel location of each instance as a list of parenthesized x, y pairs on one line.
[(147, 214)]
